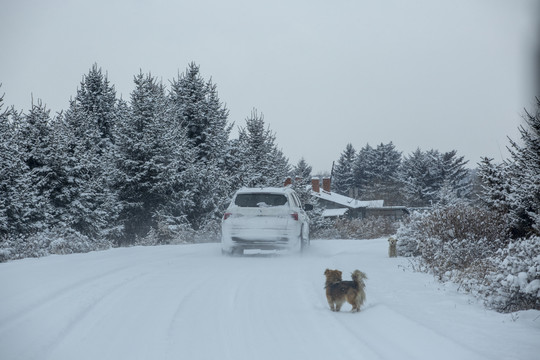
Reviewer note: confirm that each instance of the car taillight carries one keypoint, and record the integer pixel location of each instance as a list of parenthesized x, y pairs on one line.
[(226, 216), (294, 215)]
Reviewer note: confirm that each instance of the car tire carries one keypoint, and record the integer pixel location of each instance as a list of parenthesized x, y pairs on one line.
[(237, 252), (304, 242)]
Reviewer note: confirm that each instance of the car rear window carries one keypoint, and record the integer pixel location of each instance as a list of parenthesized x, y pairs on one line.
[(260, 200)]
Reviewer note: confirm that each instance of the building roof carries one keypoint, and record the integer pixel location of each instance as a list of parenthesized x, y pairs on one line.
[(334, 212), (347, 201)]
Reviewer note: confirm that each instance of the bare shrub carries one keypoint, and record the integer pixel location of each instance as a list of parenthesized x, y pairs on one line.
[(469, 245), (453, 237), (368, 228)]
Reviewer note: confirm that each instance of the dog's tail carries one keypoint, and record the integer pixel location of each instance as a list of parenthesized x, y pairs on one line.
[(359, 277)]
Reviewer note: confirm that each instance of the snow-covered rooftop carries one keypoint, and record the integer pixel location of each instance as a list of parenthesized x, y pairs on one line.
[(347, 201), (334, 212), (264, 190)]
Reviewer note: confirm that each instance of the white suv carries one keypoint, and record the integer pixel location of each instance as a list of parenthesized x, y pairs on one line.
[(265, 219)]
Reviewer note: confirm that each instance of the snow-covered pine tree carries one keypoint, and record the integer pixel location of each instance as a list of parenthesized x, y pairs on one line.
[(301, 176), (15, 185), (361, 173), (382, 171), (343, 176), (415, 176), (496, 185), (153, 164), (36, 139), (455, 174), (87, 202), (302, 170), (96, 98), (424, 174), (198, 109), (261, 162), (524, 169), (188, 97), (435, 176), (7, 161)]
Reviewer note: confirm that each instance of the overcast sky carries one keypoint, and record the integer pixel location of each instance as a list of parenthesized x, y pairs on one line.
[(453, 74)]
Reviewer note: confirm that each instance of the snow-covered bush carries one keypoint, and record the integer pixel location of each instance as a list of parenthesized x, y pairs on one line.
[(181, 233), (514, 280), (211, 232), (321, 227), (409, 233), (468, 245), (19, 247), (50, 241)]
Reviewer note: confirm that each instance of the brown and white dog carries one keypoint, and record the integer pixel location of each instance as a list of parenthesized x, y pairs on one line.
[(339, 291), (392, 250)]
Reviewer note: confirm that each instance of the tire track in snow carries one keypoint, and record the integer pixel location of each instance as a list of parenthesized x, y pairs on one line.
[(76, 303), (26, 311), (84, 311), (389, 340), (192, 293)]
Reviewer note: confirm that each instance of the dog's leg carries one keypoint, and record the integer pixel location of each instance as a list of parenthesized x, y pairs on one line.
[(331, 303), (338, 305), (352, 298)]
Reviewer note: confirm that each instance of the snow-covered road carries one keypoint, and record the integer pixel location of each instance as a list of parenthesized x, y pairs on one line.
[(189, 302)]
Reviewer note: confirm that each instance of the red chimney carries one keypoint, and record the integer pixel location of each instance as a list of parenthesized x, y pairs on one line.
[(326, 184), (315, 185), (288, 181)]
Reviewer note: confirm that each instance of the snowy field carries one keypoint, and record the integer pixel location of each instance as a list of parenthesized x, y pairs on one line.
[(189, 302)]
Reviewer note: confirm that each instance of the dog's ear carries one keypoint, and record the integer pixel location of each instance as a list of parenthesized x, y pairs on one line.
[(326, 271)]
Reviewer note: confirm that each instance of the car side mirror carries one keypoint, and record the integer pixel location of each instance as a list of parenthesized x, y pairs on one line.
[(308, 207)]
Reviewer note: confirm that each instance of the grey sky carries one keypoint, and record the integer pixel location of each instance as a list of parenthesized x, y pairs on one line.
[(453, 74)]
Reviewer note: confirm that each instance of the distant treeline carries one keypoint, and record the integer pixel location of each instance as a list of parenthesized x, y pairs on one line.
[(420, 179)]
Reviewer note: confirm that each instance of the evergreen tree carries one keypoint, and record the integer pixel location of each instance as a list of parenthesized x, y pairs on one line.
[(513, 187), (495, 185), (7, 161), (455, 173), (154, 160), (199, 111), (37, 142), (382, 172), (15, 186), (302, 171), (416, 178), (524, 169), (87, 203), (361, 172), (424, 174), (301, 175), (96, 98), (261, 162), (343, 176)]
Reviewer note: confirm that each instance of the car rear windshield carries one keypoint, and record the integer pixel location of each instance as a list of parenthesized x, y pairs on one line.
[(260, 200)]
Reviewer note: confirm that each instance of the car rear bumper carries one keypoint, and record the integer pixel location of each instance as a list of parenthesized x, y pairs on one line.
[(260, 238)]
